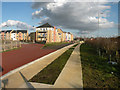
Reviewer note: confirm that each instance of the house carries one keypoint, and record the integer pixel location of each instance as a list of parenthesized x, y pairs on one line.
[(47, 32), (66, 36), (71, 37), (14, 35), (2, 34), (43, 33), (60, 33), (8, 34), (19, 35), (5, 34)]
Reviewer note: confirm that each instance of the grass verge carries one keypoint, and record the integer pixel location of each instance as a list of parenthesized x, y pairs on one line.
[(97, 73), (50, 73), (55, 44)]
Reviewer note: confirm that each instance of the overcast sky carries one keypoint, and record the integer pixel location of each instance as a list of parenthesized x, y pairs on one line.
[(80, 18)]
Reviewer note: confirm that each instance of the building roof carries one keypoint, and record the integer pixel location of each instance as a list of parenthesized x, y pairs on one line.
[(60, 29), (6, 31), (45, 25), (14, 31), (69, 33), (17, 31), (64, 32)]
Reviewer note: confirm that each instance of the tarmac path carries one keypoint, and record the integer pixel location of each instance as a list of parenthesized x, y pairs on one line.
[(27, 53)]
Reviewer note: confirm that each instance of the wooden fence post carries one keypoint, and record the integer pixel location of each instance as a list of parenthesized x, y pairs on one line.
[(20, 44), (16, 44), (11, 45), (4, 46)]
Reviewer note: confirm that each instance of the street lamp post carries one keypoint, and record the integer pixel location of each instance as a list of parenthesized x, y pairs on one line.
[(99, 28), (98, 23)]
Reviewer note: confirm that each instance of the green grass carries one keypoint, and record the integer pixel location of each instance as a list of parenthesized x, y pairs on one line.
[(10, 49), (55, 44), (96, 70), (50, 73), (75, 45)]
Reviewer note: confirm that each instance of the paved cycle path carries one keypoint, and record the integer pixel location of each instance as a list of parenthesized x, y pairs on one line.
[(71, 75), (27, 53)]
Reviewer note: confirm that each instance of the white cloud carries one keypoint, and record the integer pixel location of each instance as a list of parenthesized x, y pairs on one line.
[(17, 24), (75, 15)]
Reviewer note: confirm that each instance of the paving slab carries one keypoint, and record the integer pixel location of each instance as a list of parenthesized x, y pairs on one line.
[(71, 75)]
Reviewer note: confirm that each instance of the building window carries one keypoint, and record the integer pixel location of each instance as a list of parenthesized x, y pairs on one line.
[(43, 29), (59, 33)]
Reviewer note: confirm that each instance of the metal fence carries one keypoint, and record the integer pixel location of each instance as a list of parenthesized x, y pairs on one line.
[(8, 45)]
